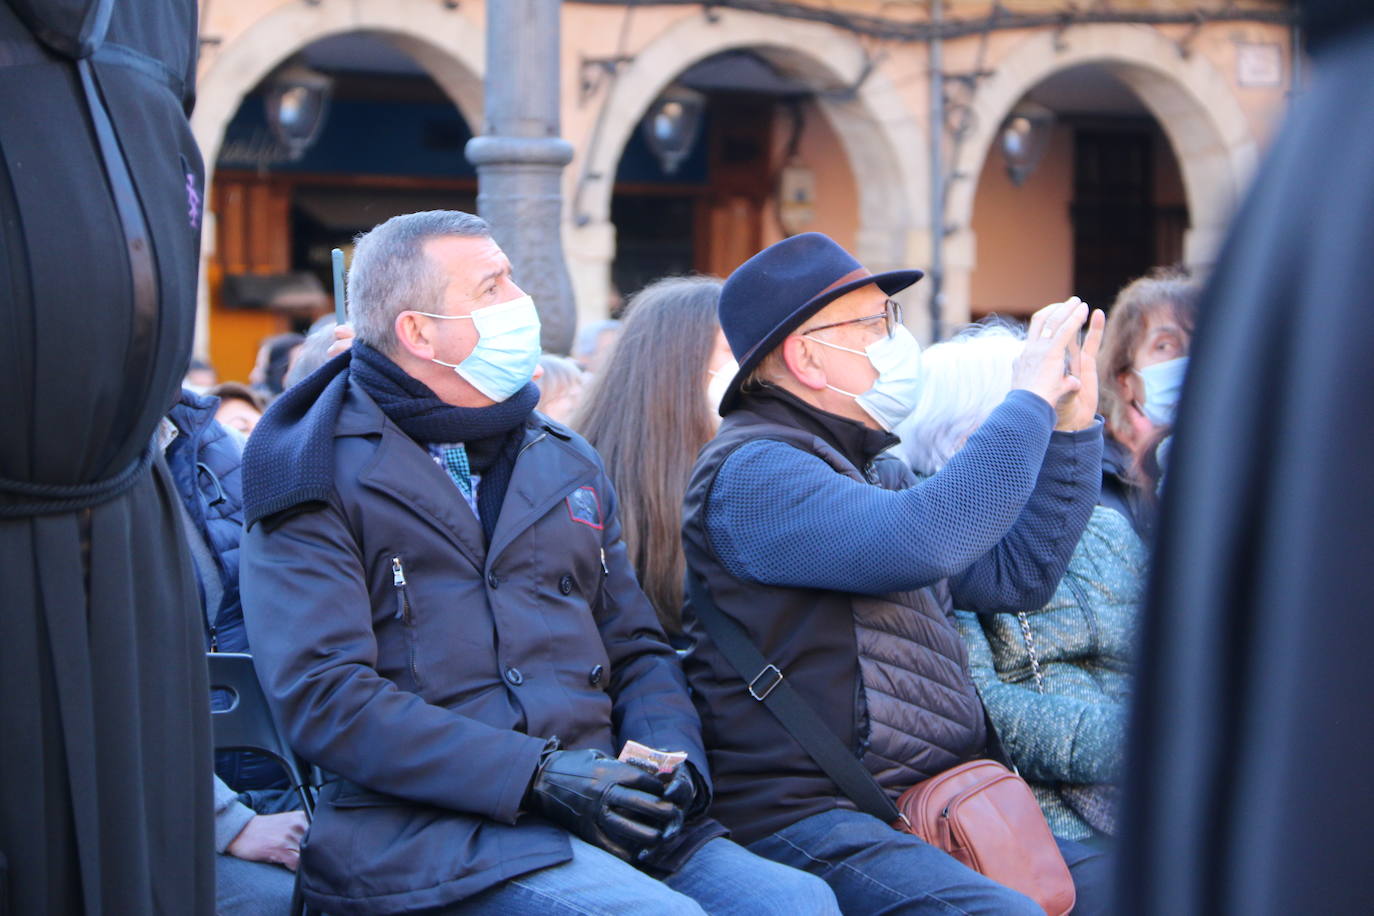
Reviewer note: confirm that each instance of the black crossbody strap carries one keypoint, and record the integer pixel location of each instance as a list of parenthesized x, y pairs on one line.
[(767, 685)]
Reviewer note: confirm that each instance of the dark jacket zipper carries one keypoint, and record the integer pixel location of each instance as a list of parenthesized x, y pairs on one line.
[(398, 581)]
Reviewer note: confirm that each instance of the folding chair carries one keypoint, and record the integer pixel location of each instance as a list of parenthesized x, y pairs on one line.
[(246, 724)]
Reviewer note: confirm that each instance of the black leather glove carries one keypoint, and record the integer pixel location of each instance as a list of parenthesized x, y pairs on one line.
[(686, 790), (615, 806)]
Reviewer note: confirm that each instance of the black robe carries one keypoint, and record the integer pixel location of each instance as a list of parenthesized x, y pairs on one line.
[(105, 795), (1248, 790)]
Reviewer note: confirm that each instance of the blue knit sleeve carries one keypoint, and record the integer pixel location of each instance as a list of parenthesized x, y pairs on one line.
[(1022, 571), (780, 516)]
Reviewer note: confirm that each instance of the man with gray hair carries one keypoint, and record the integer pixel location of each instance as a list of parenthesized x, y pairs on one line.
[(444, 617)]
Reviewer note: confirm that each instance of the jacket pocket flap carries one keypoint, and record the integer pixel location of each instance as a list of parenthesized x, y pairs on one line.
[(352, 795)]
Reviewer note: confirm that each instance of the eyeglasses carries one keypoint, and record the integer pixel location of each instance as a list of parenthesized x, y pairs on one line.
[(891, 316)]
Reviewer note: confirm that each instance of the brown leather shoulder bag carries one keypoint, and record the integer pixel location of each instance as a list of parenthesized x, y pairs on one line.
[(986, 816)]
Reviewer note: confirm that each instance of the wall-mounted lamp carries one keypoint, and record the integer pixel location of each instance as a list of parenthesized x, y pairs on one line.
[(672, 125), (1025, 138), (297, 100)]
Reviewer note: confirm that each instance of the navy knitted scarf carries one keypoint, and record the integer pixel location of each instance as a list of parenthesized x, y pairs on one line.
[(289, 460)]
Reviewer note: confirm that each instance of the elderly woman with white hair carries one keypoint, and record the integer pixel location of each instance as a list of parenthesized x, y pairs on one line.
[(1055, 681)]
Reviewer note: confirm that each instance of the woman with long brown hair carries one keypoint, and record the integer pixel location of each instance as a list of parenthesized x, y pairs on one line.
[(1141, 367), (648, 413)]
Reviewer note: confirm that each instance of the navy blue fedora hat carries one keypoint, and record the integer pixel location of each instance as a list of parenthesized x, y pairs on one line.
[(772, 293)]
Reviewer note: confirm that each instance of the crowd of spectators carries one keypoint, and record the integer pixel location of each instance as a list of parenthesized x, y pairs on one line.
[(796, 514)]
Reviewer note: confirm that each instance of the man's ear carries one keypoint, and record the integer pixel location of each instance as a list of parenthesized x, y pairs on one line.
[(802, 363), (413, 333)]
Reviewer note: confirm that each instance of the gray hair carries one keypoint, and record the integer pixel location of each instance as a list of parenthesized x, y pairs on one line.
[(314, 352), (589, 337), (390, 272), (962, 380), (559, 373)]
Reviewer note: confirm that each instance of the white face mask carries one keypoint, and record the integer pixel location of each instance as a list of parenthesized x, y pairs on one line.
[(507, 350), (720, 384), (1163, 384), (897, 360)]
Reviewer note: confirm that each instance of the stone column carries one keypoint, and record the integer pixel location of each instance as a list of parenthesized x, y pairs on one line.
[(520, 157)]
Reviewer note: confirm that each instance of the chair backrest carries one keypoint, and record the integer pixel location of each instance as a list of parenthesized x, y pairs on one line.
[(246, 722)]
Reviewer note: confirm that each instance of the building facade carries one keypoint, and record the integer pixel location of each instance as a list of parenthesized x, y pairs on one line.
[(1134, 126)]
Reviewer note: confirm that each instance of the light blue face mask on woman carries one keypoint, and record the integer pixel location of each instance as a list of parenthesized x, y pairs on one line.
[(1163, 384), (507, 350)]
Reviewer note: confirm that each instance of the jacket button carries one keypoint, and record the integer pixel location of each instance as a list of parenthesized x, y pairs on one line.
[(493, 581), (594, 676), (565, 585), (515, 677)]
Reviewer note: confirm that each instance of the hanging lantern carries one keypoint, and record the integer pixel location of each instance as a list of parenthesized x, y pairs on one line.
[(672, 125), (297, 100), (1025, 138)]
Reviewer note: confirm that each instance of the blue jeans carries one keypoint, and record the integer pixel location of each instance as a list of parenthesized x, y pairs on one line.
[(244, 888), (874, 870), (722, 877)]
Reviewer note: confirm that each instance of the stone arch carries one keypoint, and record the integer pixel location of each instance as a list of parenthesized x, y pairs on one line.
[(880, 137), (447, 45), (1189, 98)]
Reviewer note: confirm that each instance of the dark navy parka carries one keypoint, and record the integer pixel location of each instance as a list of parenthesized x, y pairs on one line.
[(206, 461), (427, 669), (206, 465)]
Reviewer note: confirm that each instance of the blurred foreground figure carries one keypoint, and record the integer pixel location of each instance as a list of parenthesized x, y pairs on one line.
[(1247, 791), (105, 804)]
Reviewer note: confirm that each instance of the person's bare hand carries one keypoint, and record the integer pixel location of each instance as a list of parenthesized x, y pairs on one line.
[(1042, 367), (1078, 409), (343, 339), (274, 838)]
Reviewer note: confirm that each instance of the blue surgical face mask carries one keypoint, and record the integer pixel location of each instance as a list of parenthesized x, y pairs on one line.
[(1163, 383), (897, 360), (507, 350)]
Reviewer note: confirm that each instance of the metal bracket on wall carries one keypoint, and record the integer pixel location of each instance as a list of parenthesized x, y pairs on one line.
[(595, 72), (1061, 44), (1185, 42), (959, 112)]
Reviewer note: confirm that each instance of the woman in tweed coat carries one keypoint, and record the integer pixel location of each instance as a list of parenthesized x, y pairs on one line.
[(1061, 717)]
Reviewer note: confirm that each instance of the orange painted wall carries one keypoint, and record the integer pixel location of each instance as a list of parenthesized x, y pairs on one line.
[(837, 202), (1024, 235)]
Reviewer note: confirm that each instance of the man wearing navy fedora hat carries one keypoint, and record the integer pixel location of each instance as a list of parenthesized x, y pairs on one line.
[(836, 569)]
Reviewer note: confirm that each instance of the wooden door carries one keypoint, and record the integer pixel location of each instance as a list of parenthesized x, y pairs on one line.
[(252, 236), (730, 228), (1112, 211)]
